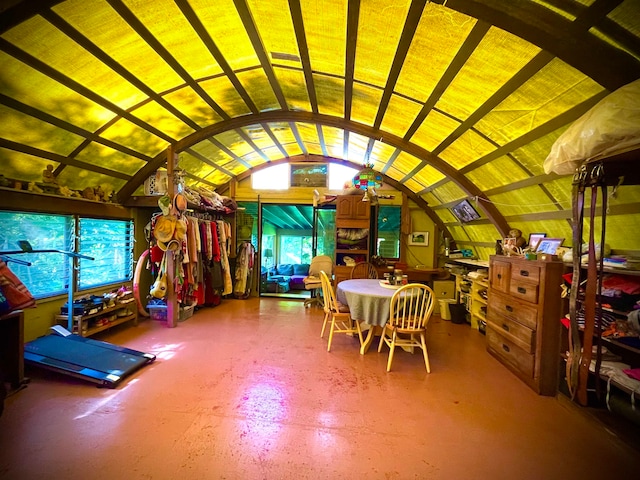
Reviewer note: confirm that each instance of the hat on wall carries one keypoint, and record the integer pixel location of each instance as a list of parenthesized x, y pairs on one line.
[(180, 202), (181, 230), (164, 228), (170, 245)]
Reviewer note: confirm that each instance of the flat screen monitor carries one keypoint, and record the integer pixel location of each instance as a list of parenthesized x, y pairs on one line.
[(465, 212)]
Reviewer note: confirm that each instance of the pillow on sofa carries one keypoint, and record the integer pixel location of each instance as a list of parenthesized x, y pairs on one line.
[(285, 269), (302, 269)]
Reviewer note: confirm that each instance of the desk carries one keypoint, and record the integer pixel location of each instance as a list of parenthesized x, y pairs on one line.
[(12, 349), (368, 301)]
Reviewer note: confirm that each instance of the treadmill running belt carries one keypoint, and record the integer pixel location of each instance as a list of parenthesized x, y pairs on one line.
[(96, 361)]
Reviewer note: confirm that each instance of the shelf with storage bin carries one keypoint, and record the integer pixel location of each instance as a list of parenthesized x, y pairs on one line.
[(124, 310), (479, 302), (353, 232)]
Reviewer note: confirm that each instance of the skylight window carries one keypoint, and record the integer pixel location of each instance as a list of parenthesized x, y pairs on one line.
[(339, 175), (272, 178)]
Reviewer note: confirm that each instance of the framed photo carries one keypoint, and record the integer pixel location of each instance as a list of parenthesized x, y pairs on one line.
[(420, 239), (534, 238), (509, 243), (549, 245)]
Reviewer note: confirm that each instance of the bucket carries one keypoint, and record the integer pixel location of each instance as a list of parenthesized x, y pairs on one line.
[(445, 314), (458, 313)]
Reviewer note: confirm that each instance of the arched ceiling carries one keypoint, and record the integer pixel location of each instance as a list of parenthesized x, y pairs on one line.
[(448, 99)]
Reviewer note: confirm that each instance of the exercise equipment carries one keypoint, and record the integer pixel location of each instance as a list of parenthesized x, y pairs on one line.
[(96, 361)]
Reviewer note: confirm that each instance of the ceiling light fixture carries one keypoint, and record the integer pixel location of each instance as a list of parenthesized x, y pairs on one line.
[(367, 177)]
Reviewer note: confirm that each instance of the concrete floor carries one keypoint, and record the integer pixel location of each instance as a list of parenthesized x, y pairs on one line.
[(247, 390)]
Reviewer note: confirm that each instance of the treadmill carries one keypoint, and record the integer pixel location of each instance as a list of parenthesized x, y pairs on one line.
[(96, 361)]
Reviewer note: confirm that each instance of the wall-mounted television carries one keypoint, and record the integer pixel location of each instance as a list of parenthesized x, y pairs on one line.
[(465, 212)]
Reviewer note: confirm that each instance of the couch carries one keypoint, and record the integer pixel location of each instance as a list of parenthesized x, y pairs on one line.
[(295, 273)]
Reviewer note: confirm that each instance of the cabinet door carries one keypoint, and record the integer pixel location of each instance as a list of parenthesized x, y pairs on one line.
[(500, 273), (345, 206), (361, 210)]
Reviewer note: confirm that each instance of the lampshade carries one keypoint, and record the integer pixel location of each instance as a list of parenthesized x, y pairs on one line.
[(268, 253), (367, 177)]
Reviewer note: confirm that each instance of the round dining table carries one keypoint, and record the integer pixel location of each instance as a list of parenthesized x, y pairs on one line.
[(368, 302)]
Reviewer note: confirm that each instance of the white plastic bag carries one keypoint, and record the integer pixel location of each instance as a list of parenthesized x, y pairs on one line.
[(612, 126)]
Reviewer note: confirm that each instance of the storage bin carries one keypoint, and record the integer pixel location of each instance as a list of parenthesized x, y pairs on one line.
[(186, 312), (445, 313), (158, 312)]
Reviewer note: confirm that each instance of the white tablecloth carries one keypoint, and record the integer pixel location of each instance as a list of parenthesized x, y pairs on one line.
[(367, 300)]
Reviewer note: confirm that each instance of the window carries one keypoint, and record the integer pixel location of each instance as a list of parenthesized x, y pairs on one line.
[(271, 178), (110, 242), (339, 175), (388, 232), (48, 274), (295, 249)]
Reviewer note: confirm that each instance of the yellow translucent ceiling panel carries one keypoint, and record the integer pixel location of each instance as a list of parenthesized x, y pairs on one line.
[(501, 171), (380, 154), (39, 91), (110, 32), (435, 128), (429, 175), (431, 199), (169, 26), (188, 102), (364, 104), (20, 128), (357, 148), (467, 148), (196, 167), (308, 133), (532, 155), (235, 143), (405, 162), (482, 232), (623, 231), (216, 177), (85, 69), (283, 133), (496, 59), (217, 156), (445, 215), (105, 157), (553, 90), (259, 136), (79, 179), (333, 137), (294, 87), (561, 190), (438, 38), (221, 20), (394, 173), (165, 121), (257, 85), (330, 95), (132, 136), (414, 185), (22, 167), (326, 30), (449, 192), (379, 28), (524, 200), (399, 115), (222, 91), (273, 19)]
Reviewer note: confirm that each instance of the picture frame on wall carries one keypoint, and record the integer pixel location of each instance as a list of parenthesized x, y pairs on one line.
[(419, 239)]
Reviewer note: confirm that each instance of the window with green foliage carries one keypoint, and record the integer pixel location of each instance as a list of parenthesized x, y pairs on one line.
[(295, 249), (388, 232), (109, 242)]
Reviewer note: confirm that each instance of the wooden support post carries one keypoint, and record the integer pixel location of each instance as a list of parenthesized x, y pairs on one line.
[(172, 302)]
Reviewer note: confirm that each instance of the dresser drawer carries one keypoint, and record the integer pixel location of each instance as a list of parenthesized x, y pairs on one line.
[(524, 291), (504, 306), (509, 353), (525, 271), (515, 332)]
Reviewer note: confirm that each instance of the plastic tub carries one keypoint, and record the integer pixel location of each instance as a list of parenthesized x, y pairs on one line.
[(445, 313)]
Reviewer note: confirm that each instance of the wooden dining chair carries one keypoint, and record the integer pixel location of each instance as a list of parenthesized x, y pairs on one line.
[(341, 321), (409, 313), (364, 270)]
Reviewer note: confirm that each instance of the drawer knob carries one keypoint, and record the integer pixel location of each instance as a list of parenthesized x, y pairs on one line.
[(524, 273), (505, 348), (522, 290), (509, 308), (499, 276), (505, 327)]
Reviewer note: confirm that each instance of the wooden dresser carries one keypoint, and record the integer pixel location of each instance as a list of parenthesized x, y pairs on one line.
[(523, 319)]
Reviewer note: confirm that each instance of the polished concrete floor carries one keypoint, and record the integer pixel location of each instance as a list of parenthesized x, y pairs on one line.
[(247, 390)]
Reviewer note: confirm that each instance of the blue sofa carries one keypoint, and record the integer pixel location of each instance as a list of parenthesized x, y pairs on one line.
[(295, 273)]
